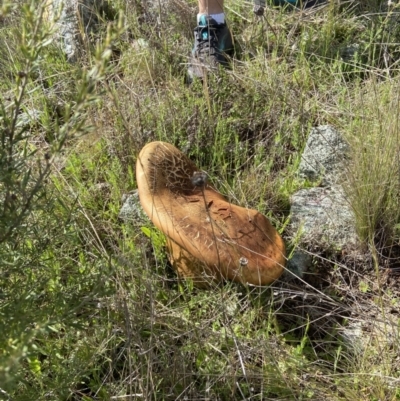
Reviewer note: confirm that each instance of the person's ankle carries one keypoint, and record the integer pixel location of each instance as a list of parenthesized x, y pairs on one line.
[(218, 18)]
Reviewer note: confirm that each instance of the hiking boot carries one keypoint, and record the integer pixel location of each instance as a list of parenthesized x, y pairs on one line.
[(212, 43)]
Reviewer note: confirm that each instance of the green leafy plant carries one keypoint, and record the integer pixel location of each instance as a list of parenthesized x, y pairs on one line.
[(33, 222)]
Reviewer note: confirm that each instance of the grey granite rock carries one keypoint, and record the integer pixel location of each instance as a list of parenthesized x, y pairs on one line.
[(322, 216), (77, 18), (323, 156), (349, 52), (131, 210), (29, 117), (362, 332), (299, 263)]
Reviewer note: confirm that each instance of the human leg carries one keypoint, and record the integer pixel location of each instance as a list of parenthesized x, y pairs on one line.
[(210, 7), (213, 40)]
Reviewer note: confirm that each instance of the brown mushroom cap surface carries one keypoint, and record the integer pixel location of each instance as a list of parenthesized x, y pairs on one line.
[(207, 235)]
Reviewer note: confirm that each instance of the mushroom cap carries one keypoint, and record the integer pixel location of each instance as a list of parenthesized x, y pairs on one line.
[(207, 235)]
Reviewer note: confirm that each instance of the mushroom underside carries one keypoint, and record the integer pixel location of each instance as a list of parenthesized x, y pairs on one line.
[(208, 237)]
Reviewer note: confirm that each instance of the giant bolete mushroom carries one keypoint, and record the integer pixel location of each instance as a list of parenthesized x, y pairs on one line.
[(207, 236)]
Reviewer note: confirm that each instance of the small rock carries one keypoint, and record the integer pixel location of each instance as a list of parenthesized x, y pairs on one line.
[(140, 44), (350, 52), (363, 333), (131, 210), (352, 336), (298, 264), (28, 117)]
